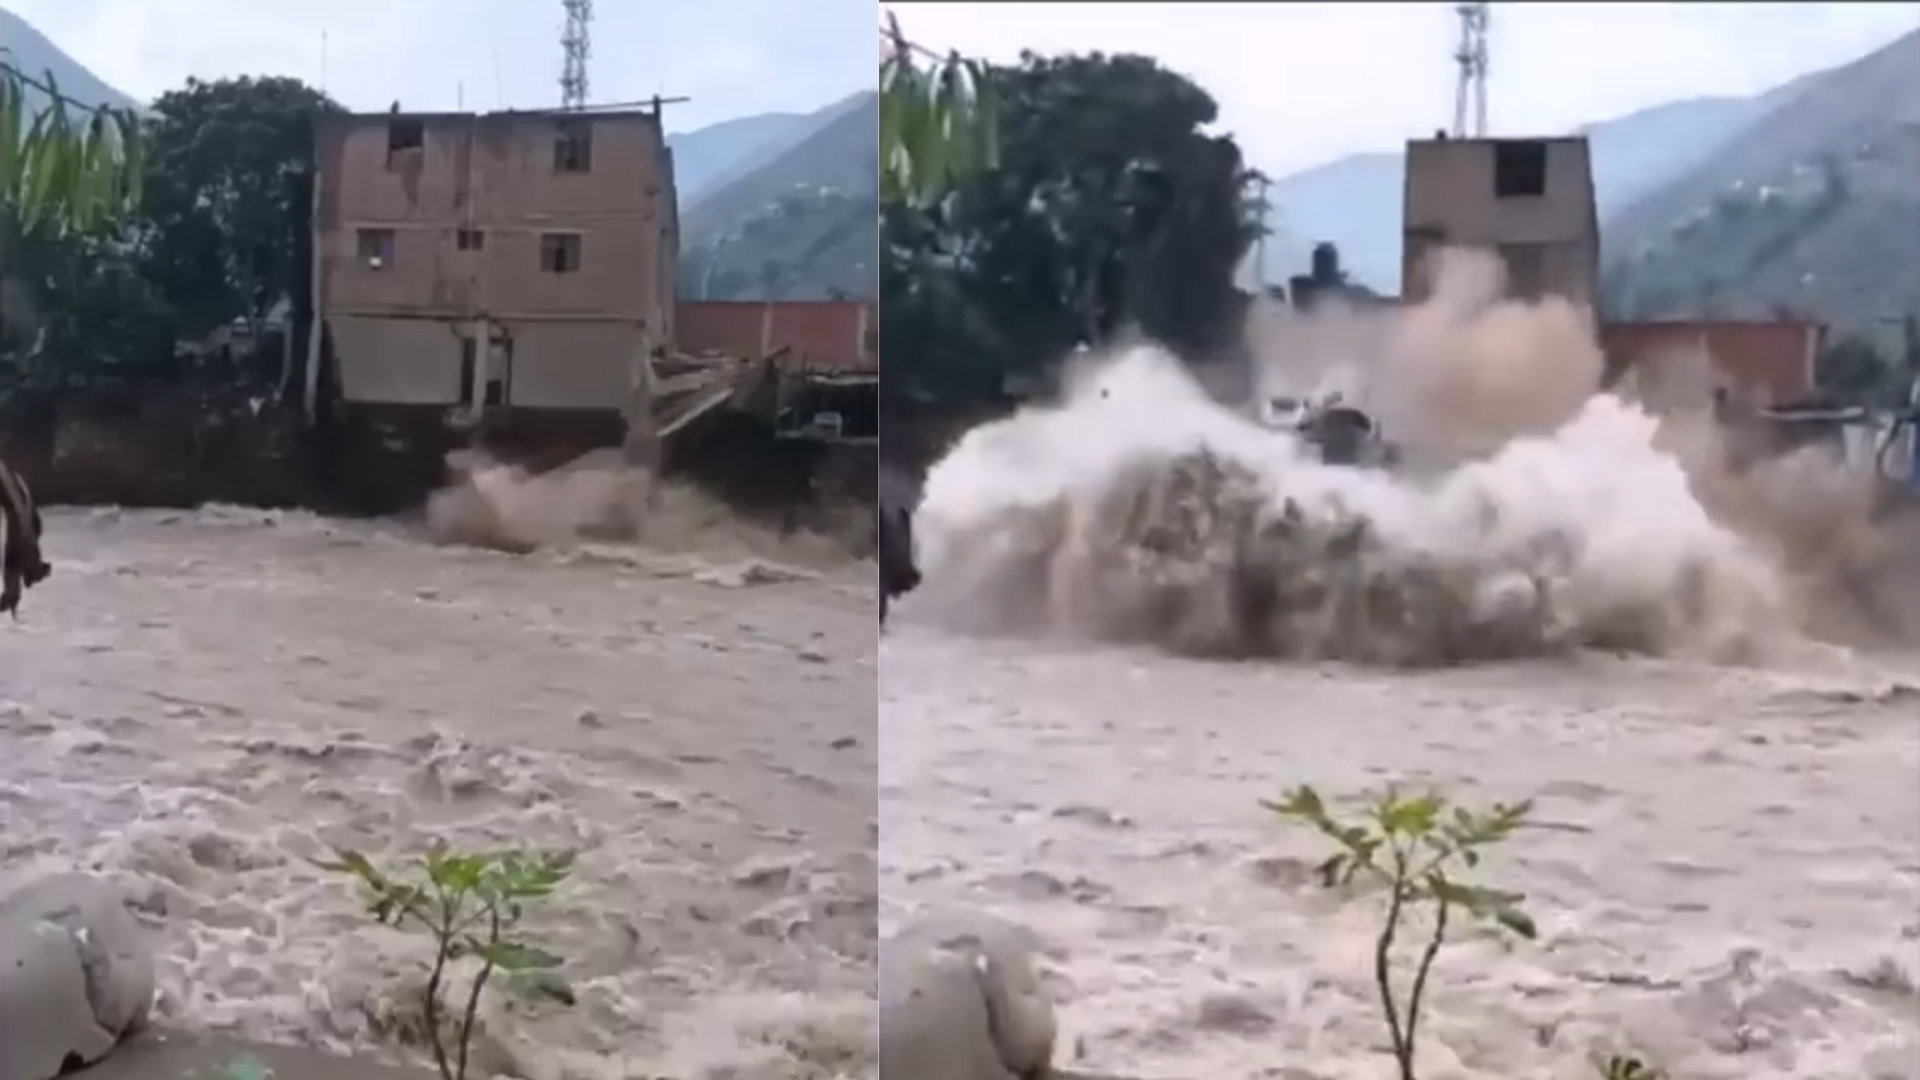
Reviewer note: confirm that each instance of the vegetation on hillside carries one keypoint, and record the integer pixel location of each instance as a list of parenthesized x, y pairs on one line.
[(1812, 210), (1106, 208), (799, 226)]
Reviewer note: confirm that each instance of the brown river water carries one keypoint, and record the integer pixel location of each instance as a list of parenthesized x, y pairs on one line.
[(1561, 595), (200, 704), (1725, 868)]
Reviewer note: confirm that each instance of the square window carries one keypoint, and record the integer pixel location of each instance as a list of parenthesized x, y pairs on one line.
[(404, 138), (560, 253), (1519, 168), (573, 148), (373, 248)]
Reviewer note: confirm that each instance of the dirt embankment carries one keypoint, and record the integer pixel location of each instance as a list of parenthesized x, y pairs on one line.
[(143, 444), (168, 444)]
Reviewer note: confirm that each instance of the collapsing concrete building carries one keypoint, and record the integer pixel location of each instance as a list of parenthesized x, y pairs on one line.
[(1531, 201), (506, 261)]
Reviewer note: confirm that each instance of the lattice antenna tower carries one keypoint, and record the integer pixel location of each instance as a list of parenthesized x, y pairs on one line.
[(576, 45), (1471, 56)]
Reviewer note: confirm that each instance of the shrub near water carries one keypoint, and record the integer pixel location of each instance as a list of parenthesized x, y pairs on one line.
[(471, 904), (1417, 850)]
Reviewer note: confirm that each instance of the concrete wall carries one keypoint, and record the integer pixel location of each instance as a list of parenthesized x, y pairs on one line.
[(393, 361), (1551, 241), (560, 365), (156, 443), (541, 364)]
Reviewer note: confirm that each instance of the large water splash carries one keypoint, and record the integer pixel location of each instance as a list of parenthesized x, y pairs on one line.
[(1535, 513)]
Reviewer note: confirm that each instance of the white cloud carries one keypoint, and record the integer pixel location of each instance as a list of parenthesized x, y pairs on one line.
[(1301, 84)]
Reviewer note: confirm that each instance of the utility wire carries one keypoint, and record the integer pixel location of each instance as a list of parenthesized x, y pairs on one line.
[(48, 89), (903, 49)]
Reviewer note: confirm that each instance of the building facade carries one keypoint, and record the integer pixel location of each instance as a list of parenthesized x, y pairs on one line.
[(519, 261), (1529, 200)]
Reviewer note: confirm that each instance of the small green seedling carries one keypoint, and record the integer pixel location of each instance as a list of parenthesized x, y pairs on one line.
[(1414, 847), (1622, 1067), (471, 903)]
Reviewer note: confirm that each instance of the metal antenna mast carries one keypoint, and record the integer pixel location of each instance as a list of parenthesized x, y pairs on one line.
[(576, 44), (1472, 58)]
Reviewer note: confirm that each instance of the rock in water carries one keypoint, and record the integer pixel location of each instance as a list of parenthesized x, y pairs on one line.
[(76, 975), (960, 999)]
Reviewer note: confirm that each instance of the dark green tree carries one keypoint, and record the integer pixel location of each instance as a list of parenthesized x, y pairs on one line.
[(1110, 208), (66, 172), (223, 165)]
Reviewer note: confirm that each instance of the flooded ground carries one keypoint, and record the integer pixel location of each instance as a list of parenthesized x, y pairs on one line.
[(1726, 871), (200, 704)]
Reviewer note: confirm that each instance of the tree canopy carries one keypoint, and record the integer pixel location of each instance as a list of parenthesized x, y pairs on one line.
[(210, 226), (225, 195), (1109, 208)]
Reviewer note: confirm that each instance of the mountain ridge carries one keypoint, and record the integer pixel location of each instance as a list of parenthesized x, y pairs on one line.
[(1814, 209), (800, 226), (35, 55), (1355, 201)]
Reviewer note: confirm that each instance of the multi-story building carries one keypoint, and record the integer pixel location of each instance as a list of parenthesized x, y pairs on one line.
[(1529, 200), (516, 260)]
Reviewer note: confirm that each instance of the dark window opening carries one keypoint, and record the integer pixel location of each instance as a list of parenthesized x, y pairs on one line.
[(404, 136), (1519, 169), (469, 362), (470, 240), (374, 248), (832, 412), (496, 390), (1526, 270), (560, 252), (573, 149)]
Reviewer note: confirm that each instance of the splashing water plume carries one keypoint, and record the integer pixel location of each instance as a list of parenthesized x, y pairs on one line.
[(1534, 512), (599, 497)]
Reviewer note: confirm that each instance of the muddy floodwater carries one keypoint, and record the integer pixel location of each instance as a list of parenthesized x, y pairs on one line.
[(201, 704), (1725, 868)]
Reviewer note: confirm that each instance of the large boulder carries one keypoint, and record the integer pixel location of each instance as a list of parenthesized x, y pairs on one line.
[(76, 974), (960, 999)]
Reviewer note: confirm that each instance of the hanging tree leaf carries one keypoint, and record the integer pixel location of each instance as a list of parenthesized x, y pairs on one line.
[(67, 167), (938, 123)]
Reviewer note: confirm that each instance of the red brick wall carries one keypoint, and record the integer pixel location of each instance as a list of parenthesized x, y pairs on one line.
[(832, 335), (1765, 364)]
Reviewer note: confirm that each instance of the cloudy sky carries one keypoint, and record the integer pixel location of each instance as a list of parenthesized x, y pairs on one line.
[(1552, 67), (732, 57)]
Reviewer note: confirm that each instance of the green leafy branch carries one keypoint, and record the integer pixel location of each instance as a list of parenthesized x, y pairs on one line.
[(470, 903), (939, 124), (68, 165), (1414, 848)]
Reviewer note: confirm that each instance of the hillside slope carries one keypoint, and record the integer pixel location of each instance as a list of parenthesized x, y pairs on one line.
[(802, 226), (35, 55), (1814, 208), (706, 157)]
